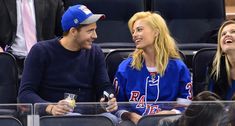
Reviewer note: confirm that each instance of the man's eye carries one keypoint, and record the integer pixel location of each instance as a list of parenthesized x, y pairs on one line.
[(89, 31)]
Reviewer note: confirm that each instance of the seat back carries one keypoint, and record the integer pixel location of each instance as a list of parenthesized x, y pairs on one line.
[(190, 20), (83, 120), (152, 120), (8, 78), (201, 61), (9, 121), (115, 57), (113, 29)]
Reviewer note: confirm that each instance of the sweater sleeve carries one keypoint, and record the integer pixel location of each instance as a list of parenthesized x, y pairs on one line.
[(119, 84), (101, 76), (32, 75), (186, 86)]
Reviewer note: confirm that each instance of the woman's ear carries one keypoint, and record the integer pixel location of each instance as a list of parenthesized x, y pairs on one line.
[(156, 33)]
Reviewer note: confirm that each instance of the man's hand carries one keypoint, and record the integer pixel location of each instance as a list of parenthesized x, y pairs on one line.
[(111, 104), (61, 108)]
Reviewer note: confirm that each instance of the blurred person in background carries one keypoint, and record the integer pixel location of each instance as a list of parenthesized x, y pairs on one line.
[(222, 69), (24, 22)]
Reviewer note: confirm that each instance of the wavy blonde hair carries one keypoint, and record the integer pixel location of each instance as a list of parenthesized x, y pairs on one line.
[(219, 53), (164, 45)]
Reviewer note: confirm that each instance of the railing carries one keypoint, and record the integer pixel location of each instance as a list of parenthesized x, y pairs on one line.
[(92, 113)]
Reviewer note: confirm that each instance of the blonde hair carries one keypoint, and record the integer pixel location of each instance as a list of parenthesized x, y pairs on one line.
[(164, 44), (219, 53)]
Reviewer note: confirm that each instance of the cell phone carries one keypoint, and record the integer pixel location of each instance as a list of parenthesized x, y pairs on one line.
[(106, 96)]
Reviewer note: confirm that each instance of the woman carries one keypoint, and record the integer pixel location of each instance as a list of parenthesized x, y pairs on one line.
[(222, 70), (153, 73)]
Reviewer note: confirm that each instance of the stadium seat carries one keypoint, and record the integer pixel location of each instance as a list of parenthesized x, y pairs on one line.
[(113, 31), (152, 120), (8, 83), (190, 20), (193, 23), (9, 121), (8, 78), (200, 62), (115, 57), (126, 123), (83, 120)]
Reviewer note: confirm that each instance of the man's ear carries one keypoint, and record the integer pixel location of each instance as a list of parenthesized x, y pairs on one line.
[(73, 31)]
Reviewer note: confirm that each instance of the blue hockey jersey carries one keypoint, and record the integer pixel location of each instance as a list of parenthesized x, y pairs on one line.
[(140, 86)]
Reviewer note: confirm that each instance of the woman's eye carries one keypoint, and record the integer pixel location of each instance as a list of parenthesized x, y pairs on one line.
[(224, 33), (233, 31), (139, 29)]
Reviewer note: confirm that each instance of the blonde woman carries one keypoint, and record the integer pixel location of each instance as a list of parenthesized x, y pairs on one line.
[(222, 70), (153, 73)]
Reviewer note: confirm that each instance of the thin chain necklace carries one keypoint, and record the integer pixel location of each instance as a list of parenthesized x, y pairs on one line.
[(152, 72), (153, 75)]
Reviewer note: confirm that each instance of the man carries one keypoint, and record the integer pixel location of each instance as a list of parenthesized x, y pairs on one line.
[(44, 15), (71, 64)]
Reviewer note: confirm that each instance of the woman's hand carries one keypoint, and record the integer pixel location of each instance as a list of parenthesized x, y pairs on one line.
[(166, 112), (134, 117)]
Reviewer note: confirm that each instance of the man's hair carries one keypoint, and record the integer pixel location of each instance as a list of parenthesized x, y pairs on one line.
[(78, 29), (204, 113)]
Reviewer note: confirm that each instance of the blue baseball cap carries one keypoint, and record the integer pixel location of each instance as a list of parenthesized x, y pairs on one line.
[(78, 14)]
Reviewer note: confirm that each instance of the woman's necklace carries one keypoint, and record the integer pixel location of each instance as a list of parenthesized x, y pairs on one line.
[(153, 75), (152, 72)]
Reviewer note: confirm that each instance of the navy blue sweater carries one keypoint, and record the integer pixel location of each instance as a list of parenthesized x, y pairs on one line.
[(51, 70)]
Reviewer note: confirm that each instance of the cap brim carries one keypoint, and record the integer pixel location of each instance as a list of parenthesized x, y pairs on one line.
[(93, 18)]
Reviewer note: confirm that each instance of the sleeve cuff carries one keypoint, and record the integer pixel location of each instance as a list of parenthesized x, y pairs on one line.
[(176, 111), (183, 101)]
